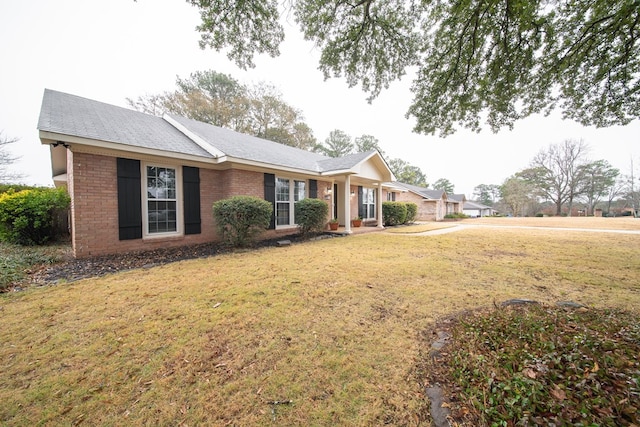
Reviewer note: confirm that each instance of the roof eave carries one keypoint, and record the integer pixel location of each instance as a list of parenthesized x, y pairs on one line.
[(51, 138)]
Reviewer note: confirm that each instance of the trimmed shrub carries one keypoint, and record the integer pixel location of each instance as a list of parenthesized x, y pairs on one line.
[(30, 217), (241, 219), (394, 213), (412, 212), (311, 216), (456, 216)]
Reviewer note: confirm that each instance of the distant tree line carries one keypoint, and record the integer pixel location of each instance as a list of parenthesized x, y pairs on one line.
[(561, 176)]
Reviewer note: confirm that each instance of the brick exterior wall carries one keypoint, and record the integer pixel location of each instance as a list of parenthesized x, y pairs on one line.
[(92, 184), (427, 210)]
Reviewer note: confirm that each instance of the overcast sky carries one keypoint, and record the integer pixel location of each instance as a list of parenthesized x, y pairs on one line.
[(111, 50)]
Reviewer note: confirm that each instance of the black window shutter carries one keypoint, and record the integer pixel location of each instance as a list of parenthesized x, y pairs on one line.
[(191, 189), (129, 199), (360, 202), (393, 197), (270, 196), (313, 188)]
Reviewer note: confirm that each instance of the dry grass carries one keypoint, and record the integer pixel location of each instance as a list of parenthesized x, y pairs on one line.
[(419, 227), (618, 223), (334, 326)]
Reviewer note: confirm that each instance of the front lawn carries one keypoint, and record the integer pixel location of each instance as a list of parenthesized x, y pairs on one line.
[(330, 332)]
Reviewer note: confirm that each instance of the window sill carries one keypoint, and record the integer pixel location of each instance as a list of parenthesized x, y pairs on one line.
[(163, 237)]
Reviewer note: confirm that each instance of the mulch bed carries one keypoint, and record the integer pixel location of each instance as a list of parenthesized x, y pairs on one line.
[(76, 269)]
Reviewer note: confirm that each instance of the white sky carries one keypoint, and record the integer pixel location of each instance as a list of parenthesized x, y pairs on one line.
[(111, 50)]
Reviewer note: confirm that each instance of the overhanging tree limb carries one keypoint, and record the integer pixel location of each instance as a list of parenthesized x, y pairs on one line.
[(496, 59)]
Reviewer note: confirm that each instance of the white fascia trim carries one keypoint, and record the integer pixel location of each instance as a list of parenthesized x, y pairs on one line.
[(48, 138), (195, 138), (394, 187), (339, 172)]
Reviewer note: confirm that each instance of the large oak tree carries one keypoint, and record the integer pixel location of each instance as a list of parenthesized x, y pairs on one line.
[(475, 60)]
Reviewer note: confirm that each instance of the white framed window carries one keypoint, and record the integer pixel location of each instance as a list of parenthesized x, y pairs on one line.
[(369, 203), (161, 207), (288, 192)]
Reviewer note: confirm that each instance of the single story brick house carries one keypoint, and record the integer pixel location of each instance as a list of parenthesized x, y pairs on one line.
[(433, 205), (142, 182)]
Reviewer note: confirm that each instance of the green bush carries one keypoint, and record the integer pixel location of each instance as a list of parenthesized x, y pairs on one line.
[(456, 216), (412, 212), (29, 217), (311, 216), (13, 188), (241, 219), (394, 213)]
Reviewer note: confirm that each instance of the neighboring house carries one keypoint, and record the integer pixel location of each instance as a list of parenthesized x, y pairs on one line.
[(456, 203), (140, 182), (432, 204), (475, 209)]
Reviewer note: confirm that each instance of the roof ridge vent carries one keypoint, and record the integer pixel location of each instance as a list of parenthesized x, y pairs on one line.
[(192, 136)]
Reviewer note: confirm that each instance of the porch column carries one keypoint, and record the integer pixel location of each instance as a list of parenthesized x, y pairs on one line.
[(347, 204), (379, 206)]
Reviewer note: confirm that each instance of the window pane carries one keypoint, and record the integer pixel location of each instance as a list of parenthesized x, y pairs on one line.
[(282, 190), (282, 213), (299, 190)]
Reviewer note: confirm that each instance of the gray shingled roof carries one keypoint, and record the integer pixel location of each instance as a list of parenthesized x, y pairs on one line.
[(247, 147), (343, 163), (424, 192), (456, 197), (470, 204), (67, 114), (76, 116)]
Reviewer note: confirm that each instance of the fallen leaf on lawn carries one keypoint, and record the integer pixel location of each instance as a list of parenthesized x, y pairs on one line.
[(528, 372), (558, 393)]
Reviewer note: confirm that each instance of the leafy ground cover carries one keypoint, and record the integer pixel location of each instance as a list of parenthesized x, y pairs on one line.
[(17, 262), (331, 332), (542, 365)]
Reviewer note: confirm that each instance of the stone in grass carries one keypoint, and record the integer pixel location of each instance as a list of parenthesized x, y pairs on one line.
[(439, 409), (284, 242), (570, 304), (518, 301)]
